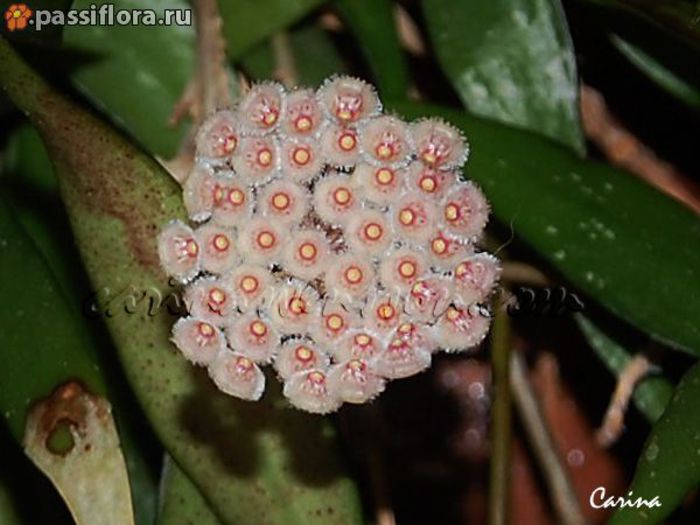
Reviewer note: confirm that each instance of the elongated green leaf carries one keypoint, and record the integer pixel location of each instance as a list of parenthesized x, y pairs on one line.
[(651, 396), (37, 328), (28, 179), (249, 22), (511, 61), (621, 241), (658, 73), (259, 463), (136, 73), (43, 350), (669, 467), (372, 24), (181, 501), (314, 55)]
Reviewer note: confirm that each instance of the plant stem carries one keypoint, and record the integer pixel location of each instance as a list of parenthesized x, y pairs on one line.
[(564, 500), (501, 424), (211, 58)]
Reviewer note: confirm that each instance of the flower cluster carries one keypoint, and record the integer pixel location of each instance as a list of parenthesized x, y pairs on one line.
[(335, 242)]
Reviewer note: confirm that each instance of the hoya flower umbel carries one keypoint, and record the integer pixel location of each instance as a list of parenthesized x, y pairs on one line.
[(330, 241)]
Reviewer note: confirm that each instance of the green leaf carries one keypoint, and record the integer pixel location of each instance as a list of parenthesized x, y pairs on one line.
[(256, 463), (372, 24), (669, 466), (44, 349), (625, 244), (181, 501), (29, 180), (674, 84), (249, 22), (512, 61), (315, 57), (651, 396), (40, 342), (136, 73)]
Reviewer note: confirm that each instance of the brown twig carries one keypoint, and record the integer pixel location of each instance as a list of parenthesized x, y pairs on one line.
[(625, 150), (208, 89), (614, 421), (211, 58), (285, 65), (564, 500)]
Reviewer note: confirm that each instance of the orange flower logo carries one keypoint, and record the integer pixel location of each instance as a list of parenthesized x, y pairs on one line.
[(17, 16)]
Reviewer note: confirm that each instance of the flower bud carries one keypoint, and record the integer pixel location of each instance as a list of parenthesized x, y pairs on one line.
[(237, 375), (179, 251), (198, 340)]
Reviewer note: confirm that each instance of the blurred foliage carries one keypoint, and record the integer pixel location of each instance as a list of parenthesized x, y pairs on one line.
[(155, 63), (371, 22), (669, 466), (511, 61)]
